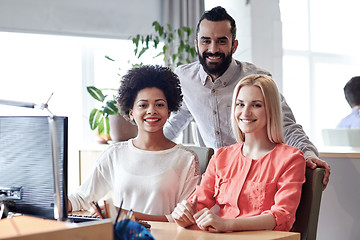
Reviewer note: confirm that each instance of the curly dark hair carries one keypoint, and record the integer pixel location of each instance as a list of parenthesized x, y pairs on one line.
[(148, 76)]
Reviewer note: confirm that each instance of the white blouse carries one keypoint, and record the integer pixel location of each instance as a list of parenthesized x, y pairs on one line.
[(150, 182)]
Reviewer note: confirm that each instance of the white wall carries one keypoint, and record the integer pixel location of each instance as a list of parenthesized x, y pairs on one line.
[(105, 18)]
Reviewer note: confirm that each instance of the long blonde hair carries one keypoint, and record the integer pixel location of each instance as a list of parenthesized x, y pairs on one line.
[(271, 95)]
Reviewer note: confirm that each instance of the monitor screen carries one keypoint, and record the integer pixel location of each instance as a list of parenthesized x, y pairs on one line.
[(26, 165)]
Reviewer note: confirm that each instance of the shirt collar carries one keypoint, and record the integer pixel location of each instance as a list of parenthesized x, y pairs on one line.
[(356, 110), (223, 78)]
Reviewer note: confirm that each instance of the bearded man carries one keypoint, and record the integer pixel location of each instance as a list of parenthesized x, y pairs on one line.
[(208, 84)]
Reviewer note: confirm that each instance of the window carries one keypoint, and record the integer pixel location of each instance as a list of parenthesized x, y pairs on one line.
[(33, 66), (321, 53)]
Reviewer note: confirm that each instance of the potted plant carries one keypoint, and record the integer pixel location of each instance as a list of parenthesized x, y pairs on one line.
[(101, 119), (175, 50)]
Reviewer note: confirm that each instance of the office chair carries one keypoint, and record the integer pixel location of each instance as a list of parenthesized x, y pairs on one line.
[(204, 154), (307, 214)]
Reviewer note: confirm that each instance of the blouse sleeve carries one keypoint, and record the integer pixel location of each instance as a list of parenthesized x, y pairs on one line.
[(206, 190), (95, 186), (288, 193), (192, 179)]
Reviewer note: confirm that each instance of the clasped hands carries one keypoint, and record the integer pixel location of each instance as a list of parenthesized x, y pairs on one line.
[(186, 214)]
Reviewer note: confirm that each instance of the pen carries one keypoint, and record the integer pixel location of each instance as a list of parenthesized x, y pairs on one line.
[(106, 210), (119, 211), (99, 209), (93, 205), (130, 213)]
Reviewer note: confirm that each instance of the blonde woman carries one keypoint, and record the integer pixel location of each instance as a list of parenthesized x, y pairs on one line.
[(256, 182)]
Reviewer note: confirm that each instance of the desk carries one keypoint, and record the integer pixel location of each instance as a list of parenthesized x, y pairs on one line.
[(171, 231), (339, 209), (33, 228)]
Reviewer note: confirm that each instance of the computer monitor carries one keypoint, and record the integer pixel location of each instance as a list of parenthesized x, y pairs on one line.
[(27, 178)]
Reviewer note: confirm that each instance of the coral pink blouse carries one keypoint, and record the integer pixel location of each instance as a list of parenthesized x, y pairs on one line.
[(244, 187)]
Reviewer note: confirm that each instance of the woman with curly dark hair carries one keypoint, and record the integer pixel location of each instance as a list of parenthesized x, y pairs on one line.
[(150, 174)]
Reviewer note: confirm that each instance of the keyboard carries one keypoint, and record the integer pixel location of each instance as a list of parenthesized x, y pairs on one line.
[(81, 218)]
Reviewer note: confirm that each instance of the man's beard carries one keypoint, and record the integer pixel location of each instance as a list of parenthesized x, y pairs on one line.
[(216, 68)]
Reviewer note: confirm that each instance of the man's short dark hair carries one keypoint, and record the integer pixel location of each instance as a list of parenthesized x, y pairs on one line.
[(149, 76), (218, 14), (352, 91)]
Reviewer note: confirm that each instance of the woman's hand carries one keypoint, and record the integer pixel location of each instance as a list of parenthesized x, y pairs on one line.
[(69, 206), (184, 211), (209, 221)]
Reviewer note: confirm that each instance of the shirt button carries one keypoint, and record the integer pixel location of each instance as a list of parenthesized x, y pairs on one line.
[(214, 112), (212, 90), (217, 132)]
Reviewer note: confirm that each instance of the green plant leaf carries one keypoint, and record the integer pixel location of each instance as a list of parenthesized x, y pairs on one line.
[(156, 42), (193, 52), (174, 56), (95, 116), (111, 108), (96, 93), (137, 64), (142, 52), (109, 58), (181, 47), (147, 39), (156, 25), (161, 30), (167, 35), (136, 39), (159, 54), (180, 33), (170, 37), (188, 30), (104, 126)]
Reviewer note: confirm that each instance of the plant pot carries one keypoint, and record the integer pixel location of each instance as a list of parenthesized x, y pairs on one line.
[(121, 129), (101, 138)]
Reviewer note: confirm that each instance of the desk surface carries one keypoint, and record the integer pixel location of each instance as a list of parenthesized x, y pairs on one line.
[(339, 152), (166, 231), (33, 228)]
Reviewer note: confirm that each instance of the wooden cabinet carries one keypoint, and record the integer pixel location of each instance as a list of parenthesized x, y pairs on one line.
[(87, 159)]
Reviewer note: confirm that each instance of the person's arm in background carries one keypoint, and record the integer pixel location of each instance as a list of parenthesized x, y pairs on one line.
[(177, 122), (296, 137)]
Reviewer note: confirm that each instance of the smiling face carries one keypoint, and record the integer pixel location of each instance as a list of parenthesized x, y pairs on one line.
[(150, 110), (250, 110), (214, 46)]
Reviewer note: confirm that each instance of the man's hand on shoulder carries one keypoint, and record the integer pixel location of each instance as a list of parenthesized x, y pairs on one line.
[(312, 163)]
